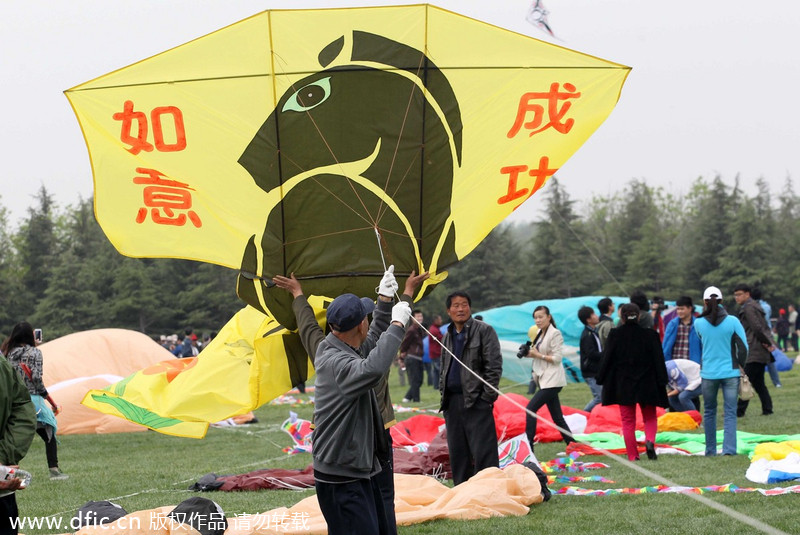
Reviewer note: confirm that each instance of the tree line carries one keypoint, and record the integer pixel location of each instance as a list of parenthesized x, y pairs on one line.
[(639, 238), (59, 271)]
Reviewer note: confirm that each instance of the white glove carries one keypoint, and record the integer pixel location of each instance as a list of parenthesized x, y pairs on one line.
[(401, 312), (388, 286)]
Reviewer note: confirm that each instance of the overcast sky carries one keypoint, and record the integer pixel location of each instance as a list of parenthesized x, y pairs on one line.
[(714, 86)]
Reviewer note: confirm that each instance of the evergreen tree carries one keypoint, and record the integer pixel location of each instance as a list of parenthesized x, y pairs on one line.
[(651, 267), (747, 259), (139, 301), (10, 279), (559, 264), (36, 243), (705, 233), (209, 298), (491, 275)]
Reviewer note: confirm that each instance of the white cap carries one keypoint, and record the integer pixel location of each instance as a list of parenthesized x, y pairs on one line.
[(712, 290)]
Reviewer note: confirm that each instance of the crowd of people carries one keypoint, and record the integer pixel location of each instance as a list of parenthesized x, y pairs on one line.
[(636, 361), (648, 363), (187, 344)]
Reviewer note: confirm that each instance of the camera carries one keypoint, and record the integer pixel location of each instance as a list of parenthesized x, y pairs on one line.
[(37, 335), (523, 350)]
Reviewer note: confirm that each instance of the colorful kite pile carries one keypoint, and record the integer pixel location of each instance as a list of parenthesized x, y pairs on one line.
[(300, 431), (569, 464), (663, 489)]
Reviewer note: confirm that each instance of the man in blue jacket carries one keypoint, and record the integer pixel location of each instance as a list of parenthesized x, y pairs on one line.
[(680, 337)]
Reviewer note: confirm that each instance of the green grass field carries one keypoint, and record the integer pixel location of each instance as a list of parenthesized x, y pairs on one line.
[(146, 470)]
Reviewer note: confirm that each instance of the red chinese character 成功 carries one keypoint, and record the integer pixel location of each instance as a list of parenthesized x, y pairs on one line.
[(541, 174), (555, 114)]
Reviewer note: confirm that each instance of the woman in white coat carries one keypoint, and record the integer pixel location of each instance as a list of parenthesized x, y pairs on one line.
[(548, 373)]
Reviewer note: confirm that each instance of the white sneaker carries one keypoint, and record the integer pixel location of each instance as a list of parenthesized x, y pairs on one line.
[(406, 400)]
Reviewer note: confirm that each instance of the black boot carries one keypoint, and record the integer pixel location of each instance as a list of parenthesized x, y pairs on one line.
[(650, 448)]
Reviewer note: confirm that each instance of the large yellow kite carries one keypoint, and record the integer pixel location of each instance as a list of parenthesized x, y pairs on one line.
[(333, 142)]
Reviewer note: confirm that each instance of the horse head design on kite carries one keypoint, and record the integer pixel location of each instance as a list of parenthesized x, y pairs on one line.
[(366, 147)]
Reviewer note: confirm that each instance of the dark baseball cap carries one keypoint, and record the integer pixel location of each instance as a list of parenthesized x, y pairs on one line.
[(347, 311)]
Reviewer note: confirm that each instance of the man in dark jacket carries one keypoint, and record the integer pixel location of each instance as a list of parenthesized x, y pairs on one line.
[(466, 401), (17, 427), (591, 352), (761, 345), (606, 320)]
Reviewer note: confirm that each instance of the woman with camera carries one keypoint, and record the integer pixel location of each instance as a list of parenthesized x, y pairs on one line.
[(548, 373), (20, 350)]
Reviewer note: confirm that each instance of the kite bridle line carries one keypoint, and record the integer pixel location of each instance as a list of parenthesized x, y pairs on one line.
[(372, 221), (759, 525)]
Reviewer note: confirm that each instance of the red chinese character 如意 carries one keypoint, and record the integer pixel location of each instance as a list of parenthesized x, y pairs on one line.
[(555, 114), (138, 142), (541, 174), (167, 200)]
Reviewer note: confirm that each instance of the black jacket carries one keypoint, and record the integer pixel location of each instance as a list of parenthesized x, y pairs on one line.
[(481, 354), (755, 326), (590, 355), (632, 369)]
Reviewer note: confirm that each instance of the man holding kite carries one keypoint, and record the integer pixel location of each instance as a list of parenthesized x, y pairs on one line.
[(348, 439)]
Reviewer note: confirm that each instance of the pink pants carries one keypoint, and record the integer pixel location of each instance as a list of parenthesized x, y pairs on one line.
[(627, 414)]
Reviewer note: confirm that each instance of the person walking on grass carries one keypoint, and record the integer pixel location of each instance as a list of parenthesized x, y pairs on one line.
[(21, 351), (548, 372), (725, 349), (760, 347), (591, 351), (633, 373)]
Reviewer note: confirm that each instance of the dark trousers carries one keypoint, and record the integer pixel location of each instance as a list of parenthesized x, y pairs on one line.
[(755, 372), (471, 437), (385, 485), (8, 510), (353, 508), (414, 370), (549, 397), (50, 447), (436, 365)]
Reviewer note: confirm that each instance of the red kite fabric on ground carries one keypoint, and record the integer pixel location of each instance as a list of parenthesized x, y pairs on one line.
[(416, 430), (607, 418), (510, 419)]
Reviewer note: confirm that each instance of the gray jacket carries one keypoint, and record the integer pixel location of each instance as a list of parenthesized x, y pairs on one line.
[(312, 335), (752, 317), (346, 413), (481, 354)]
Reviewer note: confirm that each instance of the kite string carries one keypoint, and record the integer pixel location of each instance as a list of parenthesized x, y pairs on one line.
[(761, 526), (594, 256)]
